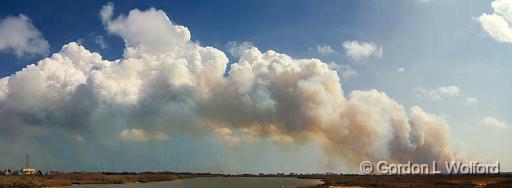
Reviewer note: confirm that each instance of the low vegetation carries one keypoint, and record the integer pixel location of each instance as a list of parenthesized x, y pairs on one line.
[(67, 179), (448, 181)]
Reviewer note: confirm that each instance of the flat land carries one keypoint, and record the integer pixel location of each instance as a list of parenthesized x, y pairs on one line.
[(402, 181), (330, 181), (67, 179)]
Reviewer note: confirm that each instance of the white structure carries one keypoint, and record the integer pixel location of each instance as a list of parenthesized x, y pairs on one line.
[(28, 171)]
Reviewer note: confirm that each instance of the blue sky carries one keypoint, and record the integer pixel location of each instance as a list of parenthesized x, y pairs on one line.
[(434, 54)]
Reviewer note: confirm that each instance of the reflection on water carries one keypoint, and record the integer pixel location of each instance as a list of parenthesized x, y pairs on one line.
[(218, 182)]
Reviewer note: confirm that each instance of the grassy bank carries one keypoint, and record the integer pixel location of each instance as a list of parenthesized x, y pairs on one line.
[(503, 180), (67, 179)]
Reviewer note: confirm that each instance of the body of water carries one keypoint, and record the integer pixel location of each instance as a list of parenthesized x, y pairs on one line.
[(218, 182)]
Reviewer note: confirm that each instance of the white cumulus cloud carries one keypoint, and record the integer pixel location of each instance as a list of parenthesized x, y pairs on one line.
[(493, 123), (145, 31), (357, 50), (503, 7), (497, 24), (19, 36), (3, 88)]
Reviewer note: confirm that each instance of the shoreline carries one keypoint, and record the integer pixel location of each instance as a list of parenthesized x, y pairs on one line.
[(85, 178), (92, 178), (439, 180), (104, 178)]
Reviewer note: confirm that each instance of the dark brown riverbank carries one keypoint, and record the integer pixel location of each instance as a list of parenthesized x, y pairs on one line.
[(67, 179), (403, 181)]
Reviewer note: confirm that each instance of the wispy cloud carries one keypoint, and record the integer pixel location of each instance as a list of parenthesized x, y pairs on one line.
[(99, 40), (324, 50), (471, 100), (140, 135), (227, 135), (438, 93), (445, 92), (344, 70), (236, 49)]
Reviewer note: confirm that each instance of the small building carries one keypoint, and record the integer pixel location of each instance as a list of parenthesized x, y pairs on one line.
[(28, 171)]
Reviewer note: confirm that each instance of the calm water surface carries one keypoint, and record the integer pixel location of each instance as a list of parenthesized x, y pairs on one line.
[(218, 182)]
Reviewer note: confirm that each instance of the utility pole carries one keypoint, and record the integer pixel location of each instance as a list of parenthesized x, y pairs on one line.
[(26, 161)]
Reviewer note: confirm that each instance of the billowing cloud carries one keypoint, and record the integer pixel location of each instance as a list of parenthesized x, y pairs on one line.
[(401, 69), (166, 83), (493, 123), (497, 27), (497, 24), (503, 7), (324, 50), (357, 50), (150, 31), (3, 88), (19, 36)]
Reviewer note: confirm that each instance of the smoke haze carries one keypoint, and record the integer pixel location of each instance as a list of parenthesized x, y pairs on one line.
[(166, 84)]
